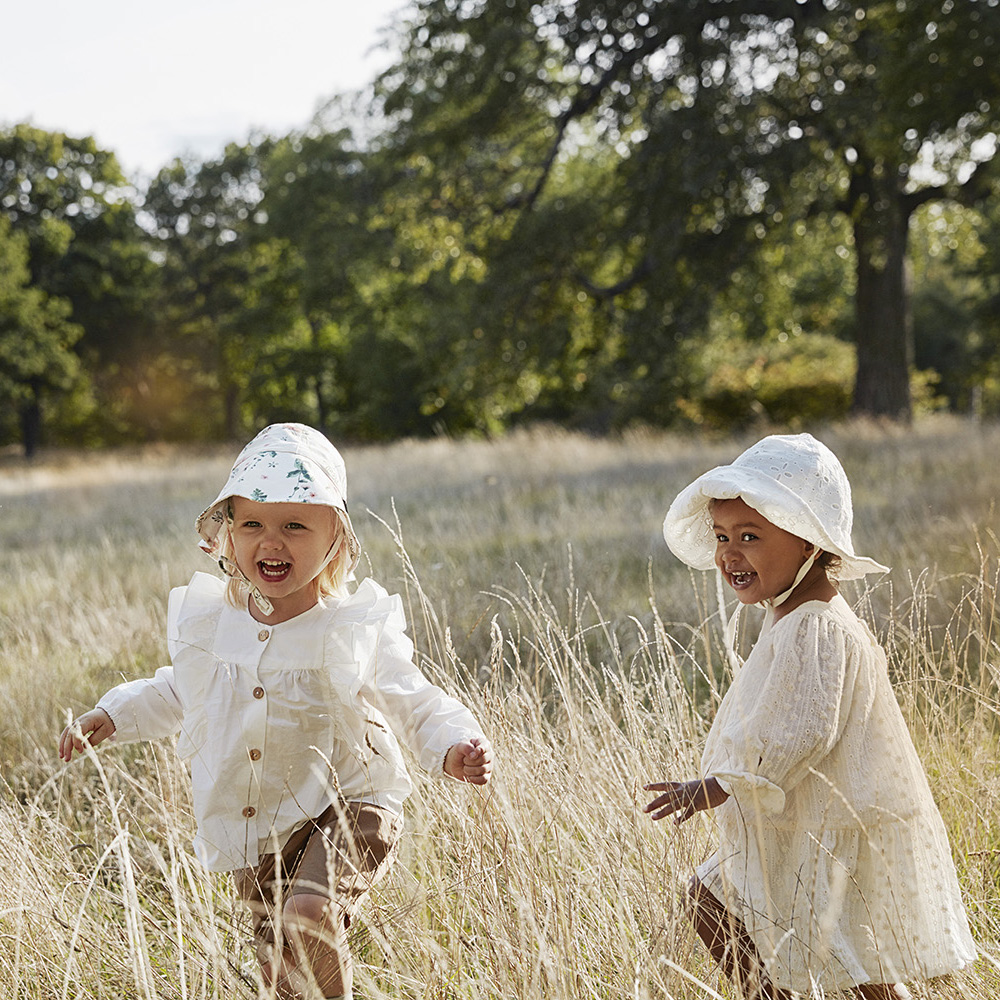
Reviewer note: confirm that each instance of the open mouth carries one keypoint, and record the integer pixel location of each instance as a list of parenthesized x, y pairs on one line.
[(741, 580), (274, 570)]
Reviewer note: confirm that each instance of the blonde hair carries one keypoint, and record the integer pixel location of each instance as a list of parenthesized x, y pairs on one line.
[(331, 580)]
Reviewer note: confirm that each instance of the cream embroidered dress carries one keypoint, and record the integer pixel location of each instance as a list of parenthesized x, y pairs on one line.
[(831, 848)]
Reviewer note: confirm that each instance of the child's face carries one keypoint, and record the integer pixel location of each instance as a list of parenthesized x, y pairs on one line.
[(758, 559), (281, 548)]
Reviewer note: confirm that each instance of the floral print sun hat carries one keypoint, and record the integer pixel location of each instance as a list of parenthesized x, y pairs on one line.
[(284, 463), (794, 481)]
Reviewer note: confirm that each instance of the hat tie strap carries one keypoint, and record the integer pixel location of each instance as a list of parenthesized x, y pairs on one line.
[(229, 567), (772, 602), (730, 624)]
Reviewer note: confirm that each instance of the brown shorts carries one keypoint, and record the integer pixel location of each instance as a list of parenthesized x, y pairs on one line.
[(341, 854)]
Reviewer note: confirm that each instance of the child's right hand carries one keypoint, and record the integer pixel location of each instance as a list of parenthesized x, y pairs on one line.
[(684, 797), (94, 726)]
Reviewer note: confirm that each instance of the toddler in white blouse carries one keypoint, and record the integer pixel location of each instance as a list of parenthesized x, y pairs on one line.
[(833, 869), (286, 693)]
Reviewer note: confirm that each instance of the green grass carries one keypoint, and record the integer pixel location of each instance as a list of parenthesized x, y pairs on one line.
[(539, 589)]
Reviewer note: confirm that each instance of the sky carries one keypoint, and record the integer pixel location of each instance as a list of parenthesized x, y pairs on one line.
[(152, 81)]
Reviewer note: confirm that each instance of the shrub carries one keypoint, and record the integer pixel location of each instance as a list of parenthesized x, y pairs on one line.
[(792, 382)]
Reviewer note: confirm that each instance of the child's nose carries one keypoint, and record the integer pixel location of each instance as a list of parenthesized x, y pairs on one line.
[(727, 557)]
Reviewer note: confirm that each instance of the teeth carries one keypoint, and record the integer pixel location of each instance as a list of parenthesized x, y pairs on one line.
[(273, 567)]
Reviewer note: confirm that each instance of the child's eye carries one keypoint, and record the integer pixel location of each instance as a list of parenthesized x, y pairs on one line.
[(295, 526), (719, 537), (748, 536), (251, 524)]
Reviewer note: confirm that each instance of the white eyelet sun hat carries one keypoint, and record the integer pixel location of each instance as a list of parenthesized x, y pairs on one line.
[(284, 463), (794, 481)]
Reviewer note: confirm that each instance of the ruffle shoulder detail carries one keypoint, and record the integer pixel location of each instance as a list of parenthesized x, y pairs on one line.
[(370, 604), (361, 629), (193, 611)]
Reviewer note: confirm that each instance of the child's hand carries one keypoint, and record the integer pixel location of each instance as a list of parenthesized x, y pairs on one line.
[(95, 726), (471, 760), (685, 797)]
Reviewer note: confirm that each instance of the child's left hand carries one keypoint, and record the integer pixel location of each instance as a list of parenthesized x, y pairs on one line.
[(471, 760)]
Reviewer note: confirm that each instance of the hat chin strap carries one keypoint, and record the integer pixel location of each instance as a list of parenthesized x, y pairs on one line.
[(769, 604), (229, 567)]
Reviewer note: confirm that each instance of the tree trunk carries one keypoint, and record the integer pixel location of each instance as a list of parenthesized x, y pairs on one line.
[(317, 377), (31, 421), (883, 330), (231, 412)]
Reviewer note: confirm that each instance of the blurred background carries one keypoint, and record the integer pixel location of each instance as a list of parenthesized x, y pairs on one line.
[(396, 220)]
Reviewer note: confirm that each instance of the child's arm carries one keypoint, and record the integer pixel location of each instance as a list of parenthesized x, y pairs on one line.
[(685, 797), (92, 727), (442, 731), (144, 709), (471, 760)]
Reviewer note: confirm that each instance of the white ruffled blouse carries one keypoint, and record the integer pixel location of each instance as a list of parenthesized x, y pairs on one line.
[(278, 720), (831, 848)]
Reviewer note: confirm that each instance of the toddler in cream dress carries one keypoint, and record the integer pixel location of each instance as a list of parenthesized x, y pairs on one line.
[(833, 869)]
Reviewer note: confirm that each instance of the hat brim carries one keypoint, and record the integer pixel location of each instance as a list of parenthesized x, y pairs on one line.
[(688, 531), (286, 477)]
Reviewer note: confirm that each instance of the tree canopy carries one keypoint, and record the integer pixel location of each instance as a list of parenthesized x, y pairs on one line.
[(35, 340), (663, 211), (715, 123)]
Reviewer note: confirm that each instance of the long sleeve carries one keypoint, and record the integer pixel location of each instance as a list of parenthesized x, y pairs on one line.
[(428, 720), (831, 850), (777, 723), (145, 709)]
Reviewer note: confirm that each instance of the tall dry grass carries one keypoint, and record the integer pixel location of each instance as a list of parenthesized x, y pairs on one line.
[(540, 591)]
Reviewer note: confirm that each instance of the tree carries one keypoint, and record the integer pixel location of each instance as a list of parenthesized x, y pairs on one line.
[(36, 337), (324, 199), (228, 289), (905, 96), (70, 201), (721, 120)]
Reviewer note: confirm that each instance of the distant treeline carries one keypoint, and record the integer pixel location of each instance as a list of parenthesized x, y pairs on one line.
[(597, 214)]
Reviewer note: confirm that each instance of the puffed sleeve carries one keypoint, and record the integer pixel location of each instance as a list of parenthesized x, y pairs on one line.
[(427, 719), (783, 716), (148, 708)]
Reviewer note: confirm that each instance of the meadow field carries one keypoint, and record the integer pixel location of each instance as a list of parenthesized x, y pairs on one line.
[(539, 590)]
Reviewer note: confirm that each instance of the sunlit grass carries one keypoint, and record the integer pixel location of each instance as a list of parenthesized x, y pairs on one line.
[(541, 592)]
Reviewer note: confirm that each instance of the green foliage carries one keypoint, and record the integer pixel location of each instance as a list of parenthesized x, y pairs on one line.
[(785, 381), (228, 288), (356, 363), (711, 125), (69, 202), (954, 334), (986, 386), (35, 335), (571, 213)]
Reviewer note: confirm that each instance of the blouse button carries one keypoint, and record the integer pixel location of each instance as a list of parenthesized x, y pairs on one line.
[(255, 754), (249, 811), (258, 692), (263, 634)]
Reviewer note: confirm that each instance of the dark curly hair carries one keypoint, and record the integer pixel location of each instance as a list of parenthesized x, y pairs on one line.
[(831, 562)]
